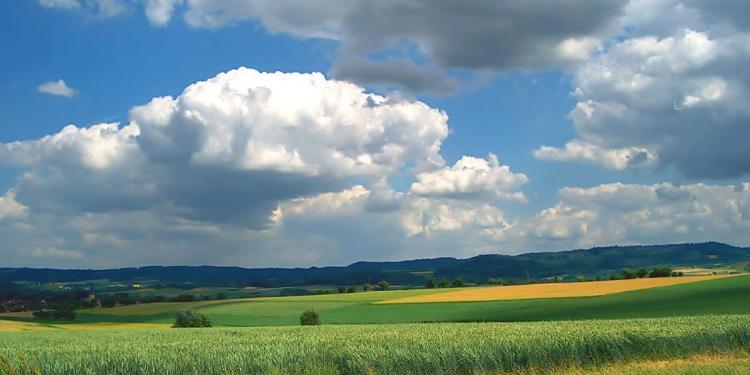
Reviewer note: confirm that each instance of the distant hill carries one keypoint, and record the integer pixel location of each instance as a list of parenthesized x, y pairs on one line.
[(599, 261)]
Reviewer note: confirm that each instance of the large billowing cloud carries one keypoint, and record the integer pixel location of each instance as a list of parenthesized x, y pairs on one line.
[(674, 94), (229, 149)]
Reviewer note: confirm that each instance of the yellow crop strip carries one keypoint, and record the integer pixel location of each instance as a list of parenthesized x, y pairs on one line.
[(551, 290)]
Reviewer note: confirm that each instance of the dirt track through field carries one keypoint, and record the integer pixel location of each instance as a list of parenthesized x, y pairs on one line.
[(551, 290)]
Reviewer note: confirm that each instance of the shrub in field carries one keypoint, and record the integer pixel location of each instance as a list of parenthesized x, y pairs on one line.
[(366, 287), (190, 318), (458, 283), (443, 283), (309, 318)]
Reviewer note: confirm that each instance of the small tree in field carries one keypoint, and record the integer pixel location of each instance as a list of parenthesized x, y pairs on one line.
[(458, 283), (190, 318), (341, 289), (366, 287), (309, 318), (383, 285), (443, 283)]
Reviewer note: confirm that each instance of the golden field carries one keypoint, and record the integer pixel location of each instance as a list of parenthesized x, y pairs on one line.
[(551, 290)]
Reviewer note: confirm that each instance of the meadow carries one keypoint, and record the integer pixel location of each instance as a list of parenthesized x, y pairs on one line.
[(440, 348), (729, 295)]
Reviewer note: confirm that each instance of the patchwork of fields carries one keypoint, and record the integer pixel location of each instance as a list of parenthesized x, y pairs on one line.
[(552, 290), (730, 295), (607, 327)]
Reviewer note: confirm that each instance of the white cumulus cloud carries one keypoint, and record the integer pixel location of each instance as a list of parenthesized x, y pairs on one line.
[(618, 159), (58, 88), (471, 176)]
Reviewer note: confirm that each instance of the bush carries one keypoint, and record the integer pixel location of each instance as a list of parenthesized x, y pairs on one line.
[(430, 284), (443, 283), (366, 287), (309, 318), (190, 318), (458, 283), (341, 289), (351, 289)]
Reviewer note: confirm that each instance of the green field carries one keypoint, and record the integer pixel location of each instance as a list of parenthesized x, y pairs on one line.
[(440, 348), (723, 296)]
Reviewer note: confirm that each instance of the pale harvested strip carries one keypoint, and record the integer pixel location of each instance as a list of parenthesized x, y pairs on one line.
[(551, 290), (15, 326), (704, 364)]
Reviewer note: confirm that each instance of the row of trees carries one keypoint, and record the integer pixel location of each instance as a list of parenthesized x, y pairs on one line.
[(366, 287), (629, 274), (443, 283)]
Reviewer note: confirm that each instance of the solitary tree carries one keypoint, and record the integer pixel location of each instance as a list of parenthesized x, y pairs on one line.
[(383, 285), (366, 287), (309, 318)]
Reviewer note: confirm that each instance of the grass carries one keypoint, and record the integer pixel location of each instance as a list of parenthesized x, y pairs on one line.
[(550, 290), (732, 363), (722, 296), (447, 348)]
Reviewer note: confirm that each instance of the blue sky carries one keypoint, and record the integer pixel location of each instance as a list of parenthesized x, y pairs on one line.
[(651, 108)]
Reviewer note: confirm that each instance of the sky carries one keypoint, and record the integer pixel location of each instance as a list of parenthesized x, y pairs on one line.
[(284, 133)]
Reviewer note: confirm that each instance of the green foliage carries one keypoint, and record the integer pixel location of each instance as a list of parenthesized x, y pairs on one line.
[(60, 314), (430, 284), (366, 287), (629, 274), (350, 289), (309, 318), (495, 281), (443, 283), (458, 283), (383, 285), (189, 318), (661, 272), (642, 273), (341, 289), (438, 348)]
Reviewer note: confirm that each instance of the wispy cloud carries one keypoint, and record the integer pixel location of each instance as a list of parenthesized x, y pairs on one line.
[(58, 88)]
